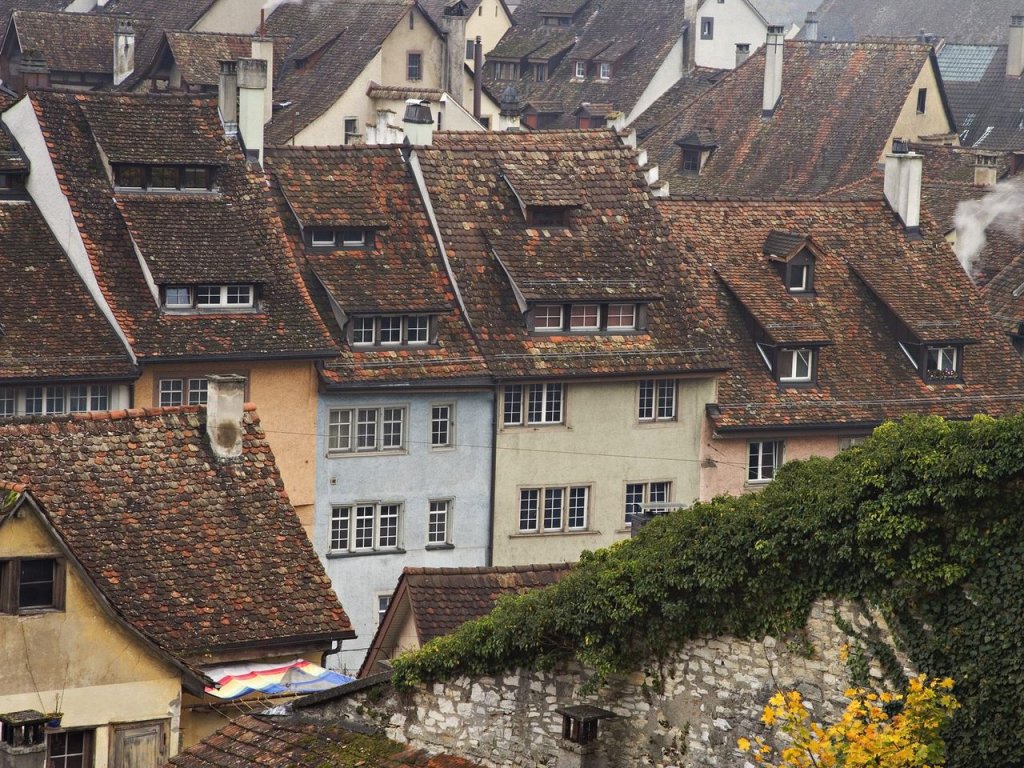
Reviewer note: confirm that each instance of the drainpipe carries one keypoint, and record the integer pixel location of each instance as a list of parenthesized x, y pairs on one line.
[(478, 77), (489, 559)]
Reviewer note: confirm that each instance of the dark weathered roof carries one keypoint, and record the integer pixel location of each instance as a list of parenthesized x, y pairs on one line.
[(50, 326), (634, 37), (71, 42), (866, 275), (955, 20), (402, 273), (195, 553), (7, 7), (198, 54), (233, 234), (821, 136), (613, 249), (337, 39), (986, 104), (687, 88), (289, 741)]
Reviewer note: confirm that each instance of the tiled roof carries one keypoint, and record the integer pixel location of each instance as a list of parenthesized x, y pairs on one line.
[(71, 42), (863, 377), (634, 37), (840, 102), (955, 20), (198, 54), (11, 156), (7, 7), (435, 8), (195, 553), (988, 106), (337, 39), (404, 272), (614, 247), (50, 327), (687, 88), (275, 741), (234, 233)]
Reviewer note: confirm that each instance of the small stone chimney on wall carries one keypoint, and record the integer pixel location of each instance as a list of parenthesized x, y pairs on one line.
[(225, 405), (1015, 47), (453, 24), (124, 50), (811, 26), (24, 740), (986, 170), (742, 52), (774, 45), (903, 172), (418, 123)]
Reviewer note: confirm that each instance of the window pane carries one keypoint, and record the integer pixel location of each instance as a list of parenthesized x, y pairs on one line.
[(364, 527), (366, 429), (393, 418), (383, 603), (577, 508), (163, 177), (548, 317), (646, 400), (100, 398), (440, 427), (362, 330), (391, 330), (340, 517), (753, 461), (34, 400), (196, 178), (660, 492), (339, 430), (178, 296), (553, 500), (419, 330), (535, 408), (8, 401), (621, 317), (388, 537), (666, 399), (208, 295), (634, 499), (437, 523), (78, 398), (585, 317), (197, 391), (529, 500), (36, 587), (513, 409), (353, 237), (239, 295), (414, 66), (171, 392), (553, 407), (322, 237), (131, 176), (798, 274), (55, 399)]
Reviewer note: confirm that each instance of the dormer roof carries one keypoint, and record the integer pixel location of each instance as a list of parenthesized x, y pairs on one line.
[(534, 184), (701, 138), (782, 318)]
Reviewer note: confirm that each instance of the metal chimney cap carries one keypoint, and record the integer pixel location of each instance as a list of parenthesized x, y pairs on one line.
[(417, 112), (900, 147)]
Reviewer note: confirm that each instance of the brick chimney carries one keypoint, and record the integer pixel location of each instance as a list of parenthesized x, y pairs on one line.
[(811, 26), (225, 404), (903, 170), (124, 50), (252, 94), (418, 123), (742, 52), (1015, 47), (773, 48), (453, 24), (227, 97)]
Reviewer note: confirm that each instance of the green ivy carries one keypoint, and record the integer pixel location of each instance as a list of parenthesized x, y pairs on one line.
[(923, 520)]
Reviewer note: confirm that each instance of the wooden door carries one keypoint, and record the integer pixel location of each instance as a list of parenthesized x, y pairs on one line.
[(139, 745)]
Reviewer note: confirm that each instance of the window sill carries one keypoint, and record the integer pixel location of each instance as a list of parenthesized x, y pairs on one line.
[(35, 611), (368, 553), (548, 534), (205, 311), (433, 547), (534, 427), (442, 448), (353, 454), (645, 423)]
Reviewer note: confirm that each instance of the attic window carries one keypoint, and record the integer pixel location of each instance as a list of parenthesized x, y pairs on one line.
[(28, 585), (190, 178), (557, 21), (547, 216), (12, 185), (590, 317), (791, 366), (942, 364), (506, 70), (581, 70), (392, 330), (696, 149), (800, 273), (340, 237), (208, 297), (605, 70)]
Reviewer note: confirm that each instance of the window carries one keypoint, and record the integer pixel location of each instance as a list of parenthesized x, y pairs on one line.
[(392, 330), (31, 584), (540, 73), (351, 129), (548, 317), (585, 317), (544, 404), (165, 177), (506, 70), (383, 603), (365, 430), (547, 216), (763, 458), (657, 400), (922, 100), (691, 162), (707, 28), (471, 49), (800, 276), (322, 238), (564, 509), (796, 365), (130, 176), (196, 178), (441, 426), (621, 317), (414, 64), (438, 523), (641, 496), (69, 749), (209, 297), (177, 296), (581, 69), (8, 401), (365, 527), (605, 71), (88, 397), (182, 391), (43, 401), (942, 363)]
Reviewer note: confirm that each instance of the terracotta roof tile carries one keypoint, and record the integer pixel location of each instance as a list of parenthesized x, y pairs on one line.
[(198, 54), (71, 42), (193, 552)]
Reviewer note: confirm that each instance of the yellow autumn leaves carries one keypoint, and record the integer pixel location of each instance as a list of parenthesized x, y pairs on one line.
[(881, 730)]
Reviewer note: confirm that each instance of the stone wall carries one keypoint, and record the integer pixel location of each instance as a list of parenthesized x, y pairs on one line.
[(689, 712)]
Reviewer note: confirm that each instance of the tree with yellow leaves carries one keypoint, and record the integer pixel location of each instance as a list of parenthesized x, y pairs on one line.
[(877, 730)]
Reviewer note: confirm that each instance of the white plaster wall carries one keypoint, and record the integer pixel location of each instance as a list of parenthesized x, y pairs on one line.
[(329, 128), (490, 22), (735, 22), (239, 17), (667, 75)]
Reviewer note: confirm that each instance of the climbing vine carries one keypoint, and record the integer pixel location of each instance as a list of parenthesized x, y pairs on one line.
[(924, 521)]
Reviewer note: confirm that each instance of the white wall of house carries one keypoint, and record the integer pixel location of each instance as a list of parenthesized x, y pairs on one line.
[(239, 17), (731, 22), (667, 75)]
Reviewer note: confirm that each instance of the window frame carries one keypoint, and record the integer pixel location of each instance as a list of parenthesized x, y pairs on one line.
[(538, 510), (952, 375), (61, 760), (707, 27), (223, 292), (11, 576), (650, 405), (791, 376), (448, 420), (922, 100), (580, 70), (521, 394), (444, 513), (354, 445), (604, 70), (343, 533), (413, 72), (540, 318), (358, 326), (646, 492), (756, 475), (147, 174)]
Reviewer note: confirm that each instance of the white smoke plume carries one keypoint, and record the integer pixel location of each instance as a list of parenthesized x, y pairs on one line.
[(1001, 209)]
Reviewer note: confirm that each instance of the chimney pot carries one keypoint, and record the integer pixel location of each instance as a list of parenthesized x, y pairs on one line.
[(773, 49), (903, 172), (263, 48), (1015, 47), (742, 52), (986, 170), (478, 77), (418, 123), (124, 50), (225, 406)]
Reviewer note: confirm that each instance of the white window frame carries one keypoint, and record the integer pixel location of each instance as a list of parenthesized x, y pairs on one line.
[(439, 511), (344, 528), (448, 420), (657, 400), (343, 433), (584, 323), (604, 71), (795, 354), (542, 495), (581, 70), (631, 326), (189, 294), (548, 393), (381, 603), (646, 492), (542, 317), (374, 324), (222, 297), (756, 473), (941, 352)]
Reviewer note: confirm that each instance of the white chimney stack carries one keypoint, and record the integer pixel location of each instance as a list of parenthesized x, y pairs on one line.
[(225, 405), (742, 52), (263, 48), (124, 50), (252, 94), (1015, 48), (986, 171), (227, 97), (903, 174), (811, 26), (772, 70), (418, 123)]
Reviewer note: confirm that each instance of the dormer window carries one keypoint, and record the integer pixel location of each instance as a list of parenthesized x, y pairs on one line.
[(604, 70), (581, 70), (942, 364), (584, 318), (540, 73), (557, 21), (696, 148), (164, 178), (12, 185), (547, 216), (340, 237), (791, 366), (800, 273), (209, 297), (391, 330)]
